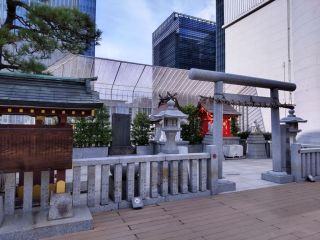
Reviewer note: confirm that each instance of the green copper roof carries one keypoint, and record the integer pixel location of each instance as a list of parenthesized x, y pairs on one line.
[(20, 89), (28, 76)]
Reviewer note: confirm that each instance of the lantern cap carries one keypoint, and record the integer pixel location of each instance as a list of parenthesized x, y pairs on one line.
[(292, 118), (170, 112)]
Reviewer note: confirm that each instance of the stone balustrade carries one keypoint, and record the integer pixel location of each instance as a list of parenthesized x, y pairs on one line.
[(170, 177), (305, 160)]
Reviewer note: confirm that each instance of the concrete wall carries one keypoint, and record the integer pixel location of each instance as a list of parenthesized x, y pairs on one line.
[(306, 61), (257, 45), (261, 45)]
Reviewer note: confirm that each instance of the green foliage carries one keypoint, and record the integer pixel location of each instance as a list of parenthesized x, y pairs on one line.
[(192, 131), (28, 38), (93, 132), (267, 136), (234, 126), (140, 129), (244, 135)]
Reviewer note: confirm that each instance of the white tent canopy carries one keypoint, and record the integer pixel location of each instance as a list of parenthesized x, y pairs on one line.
[(139, 85)]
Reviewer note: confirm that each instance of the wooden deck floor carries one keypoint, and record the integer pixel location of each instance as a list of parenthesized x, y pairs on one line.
[(287, 212)]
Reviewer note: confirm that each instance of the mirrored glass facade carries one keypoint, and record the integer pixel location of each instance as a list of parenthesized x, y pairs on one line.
[(185, 42), (220, 41)]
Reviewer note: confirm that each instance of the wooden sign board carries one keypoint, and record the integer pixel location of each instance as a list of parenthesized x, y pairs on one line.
[(30, 148)]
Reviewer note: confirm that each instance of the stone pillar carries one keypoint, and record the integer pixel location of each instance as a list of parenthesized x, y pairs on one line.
[(212, 168), (217, 125), (10, 193), (276, 137), (1, 211), (277, 174)]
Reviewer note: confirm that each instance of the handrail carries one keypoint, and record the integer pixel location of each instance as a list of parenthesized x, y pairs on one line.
[(309, 150), (138, 159)]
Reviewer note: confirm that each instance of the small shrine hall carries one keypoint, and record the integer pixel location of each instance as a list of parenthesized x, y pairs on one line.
[(39, 146), (205, 108)]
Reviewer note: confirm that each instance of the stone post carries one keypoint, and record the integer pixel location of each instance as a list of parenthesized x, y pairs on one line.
[(1, 210), (217, 125), (296, 164), (277, 174), (212, 167), (275, 129)]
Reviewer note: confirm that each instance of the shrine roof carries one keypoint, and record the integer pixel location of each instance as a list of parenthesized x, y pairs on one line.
[(20, 89), (207, 103)]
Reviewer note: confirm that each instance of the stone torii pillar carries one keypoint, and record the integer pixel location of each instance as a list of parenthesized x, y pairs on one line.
[(278, 173), (276, 138), (218, 124)]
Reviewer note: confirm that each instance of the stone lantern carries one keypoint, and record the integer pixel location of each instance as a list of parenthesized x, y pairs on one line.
[(292, 122), (292, 129), (171, 118)]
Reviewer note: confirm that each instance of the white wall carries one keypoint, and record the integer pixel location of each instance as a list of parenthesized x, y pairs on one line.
[(257, 46), (306, 61)]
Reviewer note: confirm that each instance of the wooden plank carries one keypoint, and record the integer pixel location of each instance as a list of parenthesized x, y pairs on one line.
[(284, 212), (35, 148)]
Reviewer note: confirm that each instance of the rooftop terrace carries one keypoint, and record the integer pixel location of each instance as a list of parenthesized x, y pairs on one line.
[(287, 212)]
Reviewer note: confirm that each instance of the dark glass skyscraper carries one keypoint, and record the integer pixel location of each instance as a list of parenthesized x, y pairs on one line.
[(88, 7), (220, 41), (185, 42)]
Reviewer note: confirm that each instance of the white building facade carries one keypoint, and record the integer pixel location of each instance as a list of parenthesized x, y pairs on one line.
[(280, 40)]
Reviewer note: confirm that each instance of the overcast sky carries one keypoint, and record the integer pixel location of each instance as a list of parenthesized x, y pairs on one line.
[(127, 25)]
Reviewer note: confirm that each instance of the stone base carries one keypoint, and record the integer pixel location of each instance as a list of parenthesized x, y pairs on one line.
[(60, 206), (93, 152), (121, 150), (144, 150), (34, 225), (208, 140), (277, 177), (226, 186)]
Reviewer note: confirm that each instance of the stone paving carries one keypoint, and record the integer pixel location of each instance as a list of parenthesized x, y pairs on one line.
[(286, 212), (246, 173)]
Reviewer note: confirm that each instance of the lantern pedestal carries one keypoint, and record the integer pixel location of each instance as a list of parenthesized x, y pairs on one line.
[(170, 146)]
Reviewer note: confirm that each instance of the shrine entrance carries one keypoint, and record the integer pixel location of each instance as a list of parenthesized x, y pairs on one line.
[(278, 173)]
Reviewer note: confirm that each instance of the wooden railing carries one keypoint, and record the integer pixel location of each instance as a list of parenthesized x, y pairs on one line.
[(154, 178), (305, 161)]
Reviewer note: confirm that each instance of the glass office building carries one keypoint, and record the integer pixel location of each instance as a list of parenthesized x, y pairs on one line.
[(185, 42), (85, 6), (220, 41), (88, 7)]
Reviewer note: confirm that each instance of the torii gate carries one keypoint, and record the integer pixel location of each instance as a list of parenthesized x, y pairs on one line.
[(277, 174)]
